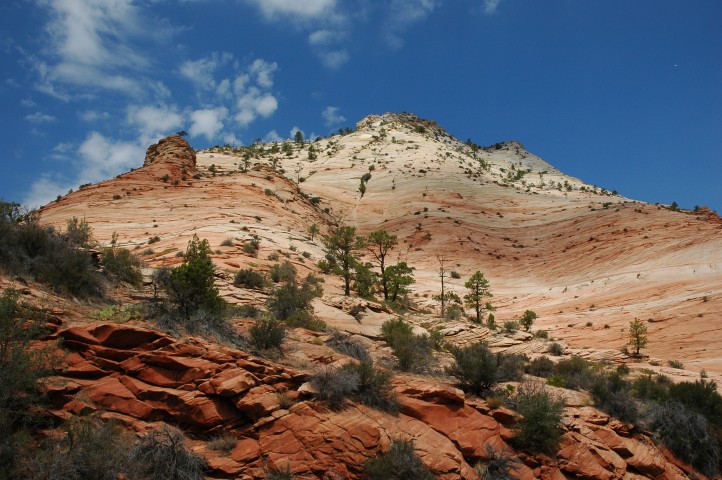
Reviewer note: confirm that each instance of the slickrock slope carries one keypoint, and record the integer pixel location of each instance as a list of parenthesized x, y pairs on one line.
[(588, 262), (585, 260)]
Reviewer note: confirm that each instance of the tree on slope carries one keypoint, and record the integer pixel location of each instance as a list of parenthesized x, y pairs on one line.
[(340, 253), (190, 286), (379, 243), (478, 290), (637, 335)]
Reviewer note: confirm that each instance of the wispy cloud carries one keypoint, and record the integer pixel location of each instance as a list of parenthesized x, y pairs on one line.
[(490, 6), (209, 122), (402, 14), (331, 116), (90, 44), (306, 9), (39, 117)]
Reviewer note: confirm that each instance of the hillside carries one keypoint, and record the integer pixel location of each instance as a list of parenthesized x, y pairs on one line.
[(573, 253), (586, 260)]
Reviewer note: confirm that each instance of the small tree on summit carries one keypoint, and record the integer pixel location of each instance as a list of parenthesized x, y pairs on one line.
[(298, 138)]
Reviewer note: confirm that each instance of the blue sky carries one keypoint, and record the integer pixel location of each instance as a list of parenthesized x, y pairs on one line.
[(623, 94)]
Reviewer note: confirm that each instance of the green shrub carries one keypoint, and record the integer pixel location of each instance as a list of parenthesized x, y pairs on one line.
[(121, 265), (191, 285), (700, 396), (267, 334), (291, 298), (162, 455), (497, 466), (223, 443), (228, 242), (249, 278), (478, 369), (307, 320), (540, 367), (577, 372), (612, 394), (688, 435), (284, 272), (651, 388), (675, 364), (511, 326), (361, 382), (342, 342), (413, 352), (400, 462), (29, 250), (20, 368), (90, 449), (556, 349), (541, 416)]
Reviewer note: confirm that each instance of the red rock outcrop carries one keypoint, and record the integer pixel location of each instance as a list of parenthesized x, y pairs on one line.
[(172, 155), (142, 376)]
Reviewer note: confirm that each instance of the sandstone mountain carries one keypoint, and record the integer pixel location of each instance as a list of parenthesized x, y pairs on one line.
[(585, 259)]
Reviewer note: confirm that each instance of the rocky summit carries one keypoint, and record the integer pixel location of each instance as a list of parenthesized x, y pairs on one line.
[(585, 260)]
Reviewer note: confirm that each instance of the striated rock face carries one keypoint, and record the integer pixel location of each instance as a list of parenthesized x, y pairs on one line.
[(141, 376), (172, 154)]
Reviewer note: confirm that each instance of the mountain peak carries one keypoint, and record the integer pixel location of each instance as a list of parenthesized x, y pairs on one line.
[(173, 156)]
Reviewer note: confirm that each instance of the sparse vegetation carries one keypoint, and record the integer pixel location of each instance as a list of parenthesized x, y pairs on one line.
[(478, 369), (637, 335), (400, 462), (541, 415)]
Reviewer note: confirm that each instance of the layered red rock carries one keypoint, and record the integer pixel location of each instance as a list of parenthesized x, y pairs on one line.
[(172, 155)]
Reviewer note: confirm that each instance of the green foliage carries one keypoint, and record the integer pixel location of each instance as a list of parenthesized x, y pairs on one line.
[(542, 414), (305, 319), (298, 137), (637, 335), (342, 342), (527, 319), (249, 278), (478, 369), (90, 449), (340, 253), (79, 233), (556, 349), (700, 396), (379, 243), (290, 298), (688, 434), (413, 352), (364, 279), (511, 326), (498, 466), (267, 333), (577, 372), (540, 367), (29, 250), (121, 265), (190, 286), (398, 278), (162, 455), (282, 272), (400, 462), (20, 367), (361, 382), (612, 394), (313, 230)]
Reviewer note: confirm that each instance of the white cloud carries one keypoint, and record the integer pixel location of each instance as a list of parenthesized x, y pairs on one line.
[(103, 158), (272, 136), (201, 71), (490, 6), (44, 190), (272, 9), (403, 14), (333, 59), (231, 139), (90, 44), (39, 117), (152, 122), (263, 72), (331, 116), (207, 122), (91, 116), (28, 102)]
